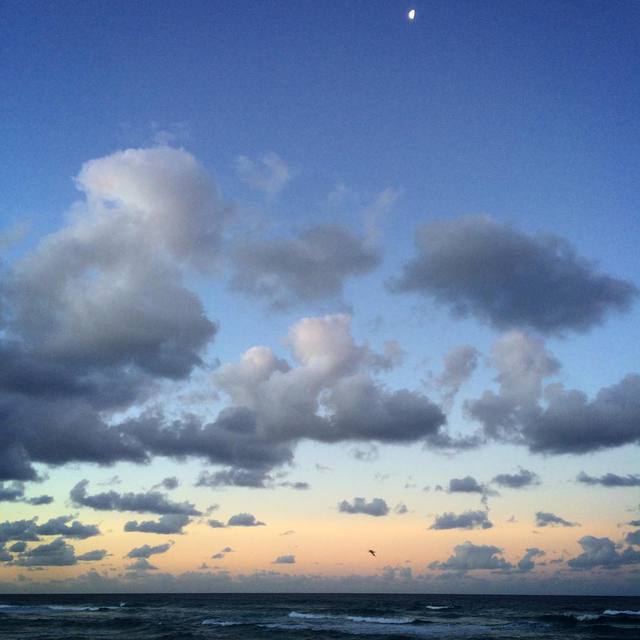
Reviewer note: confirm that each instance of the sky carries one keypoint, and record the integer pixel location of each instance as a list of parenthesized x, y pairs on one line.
[(281, 283)]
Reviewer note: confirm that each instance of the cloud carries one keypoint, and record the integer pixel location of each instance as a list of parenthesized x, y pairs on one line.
[(298, 485), (244, 520), (610, 480), (270, 174), (170, 483), (375, 507), (468, 484), (18, 547), (633, 537), (218, 556), (53, 554), (466, 520), (285, 560), (524, 478), (93, 556), (526, 563), (567, 421), (23, 530), (459, 365), (150, 502), (401, 508), (235, 478), (40, 500), (470, 557), (59, 527), (141, 564), (14, 492), (309, 267), (478, 267), (546, 519), (227, 550), (146, 551), (216, 524), (601, 552), (168, 523)]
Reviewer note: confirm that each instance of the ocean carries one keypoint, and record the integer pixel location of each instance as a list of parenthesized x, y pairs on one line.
[(314, 616)]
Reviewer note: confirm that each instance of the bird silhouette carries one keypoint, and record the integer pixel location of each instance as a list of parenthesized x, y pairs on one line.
[(372, 552)]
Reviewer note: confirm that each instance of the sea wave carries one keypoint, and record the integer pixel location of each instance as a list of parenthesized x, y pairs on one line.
[(437, 607), (362, 619), (624, 612), (222, 623)]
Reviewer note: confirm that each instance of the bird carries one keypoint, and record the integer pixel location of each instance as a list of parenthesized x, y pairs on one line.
[(372, 552)]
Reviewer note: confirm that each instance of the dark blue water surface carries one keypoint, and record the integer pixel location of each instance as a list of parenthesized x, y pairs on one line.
[(306, 617)]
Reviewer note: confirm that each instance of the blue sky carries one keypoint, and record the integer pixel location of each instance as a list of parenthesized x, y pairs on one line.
[(513, 121)]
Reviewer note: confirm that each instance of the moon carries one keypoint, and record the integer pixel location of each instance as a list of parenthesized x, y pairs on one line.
[(411, 15)]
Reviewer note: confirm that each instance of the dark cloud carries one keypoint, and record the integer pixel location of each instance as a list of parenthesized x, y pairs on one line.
[(18, 547), (468, 484), (375, 507), (546, 519), (227, 550), (170, 483), (146, 551), (218, 556), (298, 486), (169, 523), (141, 564), (466, 520), (601, 552), (288, 559), (310, 267), (53, 554), (59, 527), (11, 492), (477, 266), (216, 524), (244, 520), (23, 530), (40, 500), (633, 538), (524, 478), (93, 556), (526, 563), (150, 502), (470, 557), (610, 480)]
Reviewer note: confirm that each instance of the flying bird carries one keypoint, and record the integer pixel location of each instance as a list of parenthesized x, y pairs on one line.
[(372, 552)]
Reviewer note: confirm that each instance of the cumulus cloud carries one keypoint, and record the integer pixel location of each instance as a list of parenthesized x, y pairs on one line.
[(14, 492), (235, 478), (558, 420), (146, 551), (57, 553), (610, 480), (466, 520), (167, 524), (309, 267), (546, 519), (468, 484), (601, 552), (526, 563), (478, 267), (269, 174), (633, 537), (524, 478), (93, 556), (22, 530), (141, 564), (289, 559), (375, 507), (150, 502), (470, 557), (169, 483), (59, 527), (459, 365), (244, 520)]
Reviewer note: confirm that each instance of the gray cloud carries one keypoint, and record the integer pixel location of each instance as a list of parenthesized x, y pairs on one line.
[(53, 554), (298, 485), (235, 478), (633, 537), (526, 563), (466, 520), (59, 527), (244, 520), (167, 524), (170, 483), (459, 364), (477, 266), (524, 478), (93, 556), (470, 557), (310, 267), (40, 500), (150, 502), (216, 524), (146, 551), (269, 174), (14, 492), (567, 422), (18, 547), (546, 519), (141, 564), (601, 552), (468, 484), (289, 559), (375, 507), (610, 480), (23, 530)]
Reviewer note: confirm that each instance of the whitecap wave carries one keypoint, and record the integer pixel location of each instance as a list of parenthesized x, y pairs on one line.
[(624, 612), (437, 607)]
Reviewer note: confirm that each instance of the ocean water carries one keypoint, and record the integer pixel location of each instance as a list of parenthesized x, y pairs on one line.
[(311, 617)]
